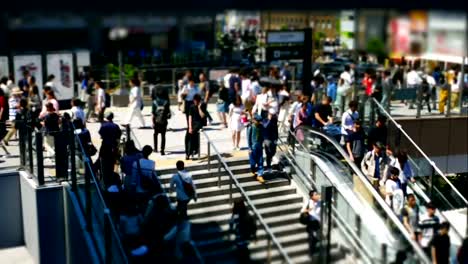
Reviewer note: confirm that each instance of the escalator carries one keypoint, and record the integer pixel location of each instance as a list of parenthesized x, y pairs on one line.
[(358, 209), (432, 185)]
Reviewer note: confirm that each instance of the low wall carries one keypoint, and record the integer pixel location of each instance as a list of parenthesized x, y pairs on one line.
[(11, 229)]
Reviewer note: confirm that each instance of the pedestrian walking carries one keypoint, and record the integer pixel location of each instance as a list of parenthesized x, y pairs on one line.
[(270, 137), (135, 103), (355, 143), (348, 119), (188, 93), (378, 133), (236, 111), (110, 134), (429, 226), (222, 105), (255, 136), (13, 108), (50, 98), (35, 104), (195, 123), (100, 100), (387, 89), (440, 245), (52, 127), (182, 183), (310, 217), (205, 93), (161, 113), (244, 227), (4, 116), (77, 112), (410, 214), (374, 164)]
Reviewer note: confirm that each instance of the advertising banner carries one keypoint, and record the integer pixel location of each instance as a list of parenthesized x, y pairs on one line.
[(30, 63), (61, 66), (4, 70), (447, 34)]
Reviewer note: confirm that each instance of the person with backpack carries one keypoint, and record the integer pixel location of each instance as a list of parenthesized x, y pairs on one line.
[(144, 182), (244, 227), (355, 143), (374, 164), (184, 187), (393, 194), (161, 114), (410, 216)]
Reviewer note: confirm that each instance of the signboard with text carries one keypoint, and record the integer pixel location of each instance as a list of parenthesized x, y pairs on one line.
[(274, 37), (285, 53), (30, 63)]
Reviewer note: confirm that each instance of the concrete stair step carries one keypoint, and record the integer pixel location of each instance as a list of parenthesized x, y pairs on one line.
[(202, 166), (207, 174)]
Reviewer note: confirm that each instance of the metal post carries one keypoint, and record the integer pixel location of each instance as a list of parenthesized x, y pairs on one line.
[(128, 132), (107, 236), (174, 82), (208, 146), (88, 204), (73, 160), (219, 173), (269, 250), (199, 143), (419, 102), (22, 144), (30, 149), (327, 225), (40, 159), (384, 253), (230, 189)]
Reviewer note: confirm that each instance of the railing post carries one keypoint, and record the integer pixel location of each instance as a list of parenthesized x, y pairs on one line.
[(384, 253), (199, 143), (230, 189), (358, 226), (128, 132), (208, 146), (73, 160), (30, 148), (269, 250), (419, 102), (40, 159), (107, 236), (88, 204), (174, 82), (327, 224), (219, 173), (22, 143)]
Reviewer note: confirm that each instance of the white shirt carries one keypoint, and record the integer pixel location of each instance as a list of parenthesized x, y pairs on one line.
[(413, 78), (256, 89), (101, 97), (347, 121), (5, 89), (246, 89), (390, 187), (78, 113), (226, 80), (190, 91), (260, 104), (314, 208), (54, 88), (135, 96), (346, 76)]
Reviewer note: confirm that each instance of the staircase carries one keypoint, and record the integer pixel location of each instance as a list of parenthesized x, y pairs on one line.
[(277, 201)]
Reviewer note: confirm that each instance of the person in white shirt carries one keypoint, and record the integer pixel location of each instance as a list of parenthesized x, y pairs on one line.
[(393, 193), (145, 167), (135, 103), (179, 182), (247, 93), (4, 86), (77, 111), (413, 81), (261, 103), (100, 100), (312, 206), (51, 83), (349, 118), (188, 92)]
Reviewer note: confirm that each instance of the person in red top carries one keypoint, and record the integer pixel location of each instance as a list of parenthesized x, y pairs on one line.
[(368, 82)]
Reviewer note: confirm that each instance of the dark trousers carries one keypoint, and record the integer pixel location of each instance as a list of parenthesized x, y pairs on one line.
[(105, 165), (159, 129), (182, 209), (101, 114), (188, 104), (192, 142), (270, 151), (256, 159), (61, 155)]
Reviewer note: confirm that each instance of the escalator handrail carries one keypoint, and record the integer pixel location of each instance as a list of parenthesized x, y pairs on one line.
[(304, 182), (388, 211), (400, 128)]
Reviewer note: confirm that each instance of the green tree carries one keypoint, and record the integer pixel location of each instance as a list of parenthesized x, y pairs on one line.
[(377, 47)]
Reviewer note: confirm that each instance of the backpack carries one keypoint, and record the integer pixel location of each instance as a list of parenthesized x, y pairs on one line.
[(188, 187), (107, 99), (158, 110)]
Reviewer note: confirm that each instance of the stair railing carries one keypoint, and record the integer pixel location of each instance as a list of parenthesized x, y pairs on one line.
[(233, 181)]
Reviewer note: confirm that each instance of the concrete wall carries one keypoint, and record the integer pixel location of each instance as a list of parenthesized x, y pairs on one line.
[(79, 247), (43, 221), (445, 140), (11, 229)]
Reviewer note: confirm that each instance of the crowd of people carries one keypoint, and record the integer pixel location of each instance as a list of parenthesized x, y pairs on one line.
[(262, 106)]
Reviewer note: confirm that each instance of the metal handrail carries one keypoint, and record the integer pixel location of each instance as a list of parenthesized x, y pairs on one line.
[(246, 197), (87, 161), (400, 128), (389, 212), (363, 250)]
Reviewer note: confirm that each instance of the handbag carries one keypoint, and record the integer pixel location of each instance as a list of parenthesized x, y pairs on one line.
[(188, 188), (304, 217)]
